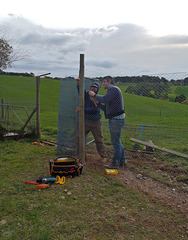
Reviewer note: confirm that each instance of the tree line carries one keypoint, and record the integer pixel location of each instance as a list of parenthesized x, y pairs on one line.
[(149, 79)]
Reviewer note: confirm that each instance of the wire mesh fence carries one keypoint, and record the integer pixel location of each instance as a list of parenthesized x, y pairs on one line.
[(153, 114), (17, 103)]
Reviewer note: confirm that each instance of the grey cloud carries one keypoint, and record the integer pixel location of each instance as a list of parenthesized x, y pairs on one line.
[(102, 63), (172, 39), (124, 49)]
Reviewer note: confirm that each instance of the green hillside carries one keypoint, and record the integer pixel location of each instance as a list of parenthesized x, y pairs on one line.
[(178, 90), (166, 121), (139, 109)]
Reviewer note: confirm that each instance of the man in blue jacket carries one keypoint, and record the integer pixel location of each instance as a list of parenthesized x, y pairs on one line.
[(93, 120), (112, 105)]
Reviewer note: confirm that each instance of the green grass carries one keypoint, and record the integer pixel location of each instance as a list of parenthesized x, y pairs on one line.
[(18, 90), (100, 207), (21, 91), (166, 121)]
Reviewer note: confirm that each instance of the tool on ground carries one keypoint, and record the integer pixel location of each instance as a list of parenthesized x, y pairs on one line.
[(60, 168), (42, 182), (46, 179), (39, 185), (136, 145), (111, 171), (42, 186), (37, 143), (60, 180), (34, 183), (65, 166)]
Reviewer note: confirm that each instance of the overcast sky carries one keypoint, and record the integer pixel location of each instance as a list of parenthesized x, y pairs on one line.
[(117, 37)]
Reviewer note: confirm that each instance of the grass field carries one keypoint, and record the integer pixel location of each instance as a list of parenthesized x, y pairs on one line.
[(99, 206), (166, 121)]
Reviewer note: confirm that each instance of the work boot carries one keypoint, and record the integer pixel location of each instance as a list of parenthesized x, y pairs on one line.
[(123, 165), (112, 166)]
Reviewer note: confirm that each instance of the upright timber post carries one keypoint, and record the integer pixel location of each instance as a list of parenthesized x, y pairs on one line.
[(3, 102), (81, 111), (38, 105)]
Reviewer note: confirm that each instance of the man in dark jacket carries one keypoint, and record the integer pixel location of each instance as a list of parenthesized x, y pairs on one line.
[(93, 120), (112, 105)]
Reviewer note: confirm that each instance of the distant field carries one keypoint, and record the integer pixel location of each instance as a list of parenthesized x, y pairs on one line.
[(178, 90)]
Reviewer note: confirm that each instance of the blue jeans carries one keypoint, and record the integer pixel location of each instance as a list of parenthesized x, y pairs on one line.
[(115, 126)]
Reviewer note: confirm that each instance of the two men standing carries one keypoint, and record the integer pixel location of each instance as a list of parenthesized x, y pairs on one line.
[(93, 119), (112, 105)]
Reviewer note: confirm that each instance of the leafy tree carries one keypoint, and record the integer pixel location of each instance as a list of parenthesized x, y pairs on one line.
[(161, 90), (6, 51), (186, 81), (180, 98), (5, 54), (130, 89), (9, 54), (141, 89)]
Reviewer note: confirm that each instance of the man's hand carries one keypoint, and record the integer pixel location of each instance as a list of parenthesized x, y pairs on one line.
[(94, 101), (91, 93), (78, 81)]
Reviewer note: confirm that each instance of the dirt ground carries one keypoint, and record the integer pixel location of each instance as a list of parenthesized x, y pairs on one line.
[(133, 176)]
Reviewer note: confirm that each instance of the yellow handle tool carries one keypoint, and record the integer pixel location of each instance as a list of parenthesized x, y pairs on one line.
[(60, 180)]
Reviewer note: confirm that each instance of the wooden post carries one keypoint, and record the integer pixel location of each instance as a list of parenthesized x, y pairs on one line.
[(38, 105), (2, 107), (81, 111)]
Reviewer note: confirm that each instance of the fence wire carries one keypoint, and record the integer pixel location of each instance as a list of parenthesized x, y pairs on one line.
[(152, 115)]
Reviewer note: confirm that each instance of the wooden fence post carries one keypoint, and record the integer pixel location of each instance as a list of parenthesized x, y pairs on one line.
[(38, 105), (81, 111), (2, 108)]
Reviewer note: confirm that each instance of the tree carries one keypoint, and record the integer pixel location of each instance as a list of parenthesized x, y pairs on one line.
[(186, 81), (161, 90), (180, 98), (5, 54), (142, 89), (9, 55)]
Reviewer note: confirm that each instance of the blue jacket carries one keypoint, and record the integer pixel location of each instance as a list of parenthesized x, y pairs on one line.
[(92, 112), (112, 102)]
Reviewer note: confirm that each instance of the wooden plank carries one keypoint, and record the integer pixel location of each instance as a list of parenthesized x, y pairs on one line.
[(49, 143), (159, 148)]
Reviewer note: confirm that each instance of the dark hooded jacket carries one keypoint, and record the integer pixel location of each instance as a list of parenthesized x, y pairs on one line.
[(92, 112)]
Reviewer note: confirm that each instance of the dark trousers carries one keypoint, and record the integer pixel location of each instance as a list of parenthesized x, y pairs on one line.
[(96, 129)]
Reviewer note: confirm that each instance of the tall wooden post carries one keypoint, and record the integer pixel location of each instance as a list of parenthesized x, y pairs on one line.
[(81, 111), (38, 105), (3, 102)]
